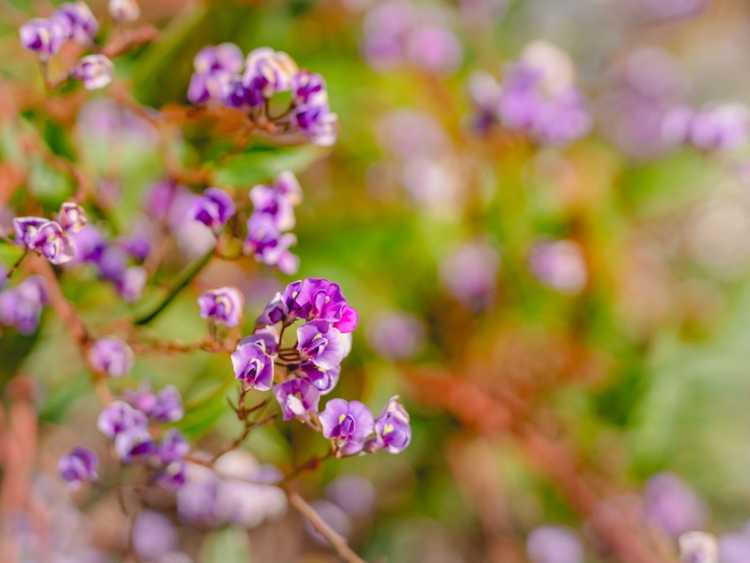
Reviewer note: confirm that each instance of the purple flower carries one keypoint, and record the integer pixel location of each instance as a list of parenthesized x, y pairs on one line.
[(268, 72), (41, 36), (723, 127), (124, 10), (89, 244), (160, 197), (78, 466), (554, 544), (119, 417), (21, 306), (214, 208), (348, 423), (226, 57), (173, 475), (434, 48), (392, 428), (27, 229), (469, 273), (80, 23), (269, 245), (252, 361), (137, 245), (276, 311), (131, 283), (322, 344), (734, 548), (320, 299), (560, 265), (672, 506), (297, 398), (317, 122), (95, 71), (277, 203), (173, 447), (396, 335), (324, 380), (71, 217), (142, 399), (167, 405), (154, 536), (111, 356), (135, 443), (222, 305), (53, 243)]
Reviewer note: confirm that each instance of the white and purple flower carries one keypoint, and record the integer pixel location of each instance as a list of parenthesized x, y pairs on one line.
[(222, 305), (78, 466), (348, 424)]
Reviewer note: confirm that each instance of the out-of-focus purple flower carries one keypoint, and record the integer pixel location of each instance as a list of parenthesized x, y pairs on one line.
[(172, 475), (485, 93), (297, 398), (225, 57), (130, 285), (214, 208), (197, 499), (268, 72), (95, 71), (392, 428), (118, 417), (124, 10), (322, 344), (252, 361), (167, 405), (137, 246), (311, 114), (21, 306), (560, 265), (269, 245), (45, 237), (722, 127), (396, 32), (27, 229), (672, 506), (41, 37), (142, 399), (434, 48), (734, 548), (159, 199), (111, 356), (332, 515), (469, 273), (554, 544), (324, 380), (355, 494), (80, 23), (348, 423), (78, 466), (153, 536), (698, 547), (71, 217), (278, 200), (222, 305), (134, 444), (395, 335), (90, 244), (173, 447)]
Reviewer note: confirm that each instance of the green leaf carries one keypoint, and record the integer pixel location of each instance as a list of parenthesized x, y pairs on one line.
[(258, 164)]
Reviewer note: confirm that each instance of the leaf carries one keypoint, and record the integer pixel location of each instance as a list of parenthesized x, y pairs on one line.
[(262, 163)]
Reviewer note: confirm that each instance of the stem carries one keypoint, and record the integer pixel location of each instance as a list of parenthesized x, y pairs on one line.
[(309, 465), (16, 265), (183, 281), (334, 538)]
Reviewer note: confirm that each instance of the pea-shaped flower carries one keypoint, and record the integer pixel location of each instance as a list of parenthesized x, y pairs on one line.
[(322, 344), (222, 305), (71, 217), (324, 380), (118, 417), (41, 36), (268, 72), (253, 362), (392, 428), (214, 208), (78, 466), (348, 423), (134, 444), (95, 71), (111, 356), (78, 21), (173, 446), (297, 398)]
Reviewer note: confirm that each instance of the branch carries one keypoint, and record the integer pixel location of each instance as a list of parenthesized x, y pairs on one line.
[(334, 538)]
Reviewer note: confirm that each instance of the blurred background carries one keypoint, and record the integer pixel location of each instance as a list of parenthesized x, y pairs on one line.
[(567, 323)]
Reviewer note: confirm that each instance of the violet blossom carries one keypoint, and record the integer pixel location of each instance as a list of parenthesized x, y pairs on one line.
[(94, 71), (222, 305), (323, 344), (554, 544), (214, 208), (392, 428), (252, 361), (348, 424), (119, 417), (111, 356), (21, 306), (78, 466), (297, 398)]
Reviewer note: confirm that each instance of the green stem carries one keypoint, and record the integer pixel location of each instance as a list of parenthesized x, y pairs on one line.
[(183, 281)]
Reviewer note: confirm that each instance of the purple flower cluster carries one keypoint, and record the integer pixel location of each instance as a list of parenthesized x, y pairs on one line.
[(536, 96), (51, 239), (222, 306), (111, 357), (21, 306), (214, 208), (127, 424), (113, 260), (268, 238), (71, 21), (223, 77), (398, 32), (714, 128), (79, 466), (312, 365)]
